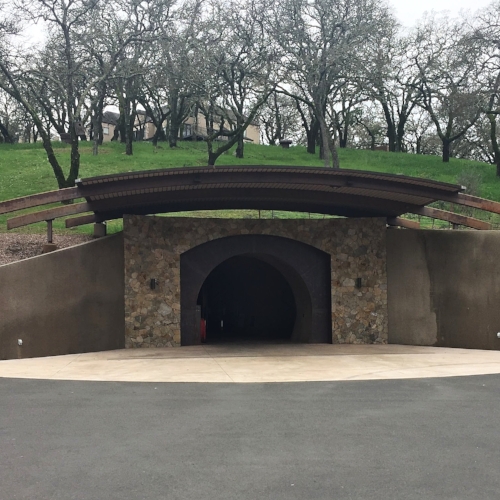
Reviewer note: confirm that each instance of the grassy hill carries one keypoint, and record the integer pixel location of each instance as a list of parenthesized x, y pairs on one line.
[(24, 168)]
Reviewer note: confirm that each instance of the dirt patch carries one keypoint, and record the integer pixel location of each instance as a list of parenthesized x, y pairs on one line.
[(14, 247)]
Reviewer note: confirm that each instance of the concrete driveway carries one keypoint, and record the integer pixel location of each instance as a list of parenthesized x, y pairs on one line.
[(251, 363), (419, 438)]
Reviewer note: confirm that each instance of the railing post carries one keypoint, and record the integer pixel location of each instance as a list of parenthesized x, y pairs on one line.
[(49, 230), (49, 246)]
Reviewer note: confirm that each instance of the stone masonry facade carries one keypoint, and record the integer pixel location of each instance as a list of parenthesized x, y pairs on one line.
[(153, 246)]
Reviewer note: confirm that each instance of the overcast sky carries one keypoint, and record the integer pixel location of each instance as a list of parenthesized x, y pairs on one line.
[(408, 12)]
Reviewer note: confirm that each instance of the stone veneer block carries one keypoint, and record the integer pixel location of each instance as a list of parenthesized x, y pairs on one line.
[(153, 246)]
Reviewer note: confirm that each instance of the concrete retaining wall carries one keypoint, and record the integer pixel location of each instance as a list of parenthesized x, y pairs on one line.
[(64, 302), (444, 288)]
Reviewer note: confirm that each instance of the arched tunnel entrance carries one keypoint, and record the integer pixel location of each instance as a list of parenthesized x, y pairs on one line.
[(247, 299), (256, 288)]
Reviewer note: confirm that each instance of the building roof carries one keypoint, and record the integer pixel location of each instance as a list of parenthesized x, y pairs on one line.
[(350, 193), (306, 189), (110, 117)]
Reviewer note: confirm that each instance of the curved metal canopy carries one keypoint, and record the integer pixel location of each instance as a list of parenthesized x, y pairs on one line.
[(350, 193), (336, 192)]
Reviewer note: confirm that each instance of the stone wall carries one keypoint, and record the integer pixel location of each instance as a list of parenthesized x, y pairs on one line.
[(153, 246)]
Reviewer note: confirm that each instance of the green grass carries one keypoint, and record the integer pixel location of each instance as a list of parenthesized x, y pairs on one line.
[(24, 169)]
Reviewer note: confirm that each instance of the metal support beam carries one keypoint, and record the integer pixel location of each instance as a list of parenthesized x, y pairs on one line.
[(463, 220), (468, 200), (35, 200), (51, 213), (400, 222), (81, 221)]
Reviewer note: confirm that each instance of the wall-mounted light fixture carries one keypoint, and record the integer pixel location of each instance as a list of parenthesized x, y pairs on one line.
[(153, 283), (359, 282)]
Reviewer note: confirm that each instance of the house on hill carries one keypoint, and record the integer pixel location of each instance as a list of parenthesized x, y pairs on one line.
[(193, 128), (142, 126)]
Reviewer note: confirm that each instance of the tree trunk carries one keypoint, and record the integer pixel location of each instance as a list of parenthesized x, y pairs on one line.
[(98, 131), (312, 137), (446, 150), (330, 155), (129, 132), (335, 156), (5, 133), (95, 136), (342, 139), (494, 142), (159, 135), (392, 141), (129, 149), (325, 143), (419, 145), (122, 124), (75, 157), (400, 133), (311, 142), (174, 125), (131, 113), (343, 131), (391, 129), (212, 158), (56, 168), (240, 147), (173, 130)]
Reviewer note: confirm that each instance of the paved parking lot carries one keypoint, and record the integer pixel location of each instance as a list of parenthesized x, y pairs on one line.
[(428, 438)]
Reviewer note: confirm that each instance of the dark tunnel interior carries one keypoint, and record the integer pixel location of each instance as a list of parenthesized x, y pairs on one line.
[(247, 299)]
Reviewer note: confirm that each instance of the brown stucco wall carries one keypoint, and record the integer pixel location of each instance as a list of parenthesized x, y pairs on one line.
[(444, 288), (153, 248), (68, 301)]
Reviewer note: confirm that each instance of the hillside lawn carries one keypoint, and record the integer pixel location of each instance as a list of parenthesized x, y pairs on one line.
[(24, 170)]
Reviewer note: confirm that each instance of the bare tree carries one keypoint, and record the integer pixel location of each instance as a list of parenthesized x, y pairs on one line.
[(179, 48), (392, 79), (322, 42), (343, 107), (309, 121), (71, 26), (279, 119), (486, 35), (421, 136), (368, 128), (449, 83), (235, 73)]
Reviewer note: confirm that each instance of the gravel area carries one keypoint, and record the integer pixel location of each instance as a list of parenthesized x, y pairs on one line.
[(14, 247)]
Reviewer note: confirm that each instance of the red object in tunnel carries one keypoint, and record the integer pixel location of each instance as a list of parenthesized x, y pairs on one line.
[(203, 329)]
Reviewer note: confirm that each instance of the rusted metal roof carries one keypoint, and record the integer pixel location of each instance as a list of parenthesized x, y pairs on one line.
[(306, 189), (351, 193)]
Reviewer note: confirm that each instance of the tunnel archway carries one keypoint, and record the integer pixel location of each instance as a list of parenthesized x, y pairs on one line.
[(238, 272), (247, 299)]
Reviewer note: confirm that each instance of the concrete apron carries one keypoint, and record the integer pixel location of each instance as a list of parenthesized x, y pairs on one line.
[(253, 363)]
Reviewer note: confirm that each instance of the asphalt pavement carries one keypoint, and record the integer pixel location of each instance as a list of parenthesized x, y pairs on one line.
[(432, 438)]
